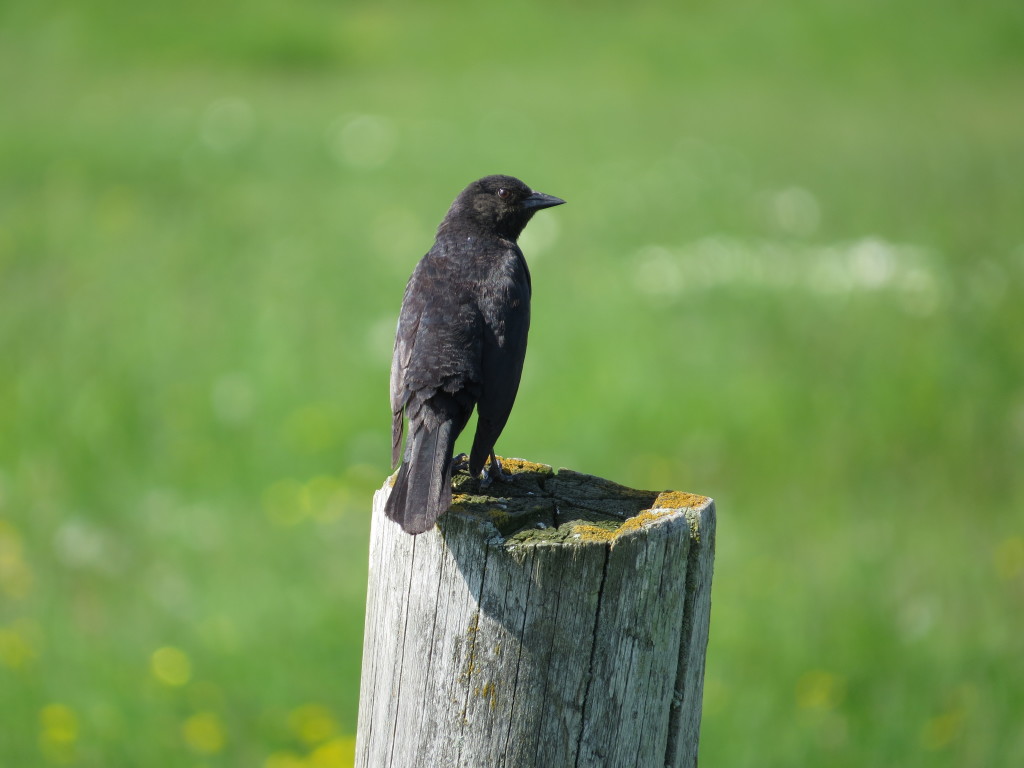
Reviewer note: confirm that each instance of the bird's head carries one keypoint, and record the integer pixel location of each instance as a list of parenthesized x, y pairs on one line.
[(498, 204)]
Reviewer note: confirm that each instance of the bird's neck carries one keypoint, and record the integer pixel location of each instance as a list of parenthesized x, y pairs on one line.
[(460, 223)]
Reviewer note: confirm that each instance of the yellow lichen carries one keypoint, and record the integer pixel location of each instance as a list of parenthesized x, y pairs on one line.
[(489, 692), (678, 500), (470, 667), (590, 532), (642, 519), (522, 465), (595, 532)]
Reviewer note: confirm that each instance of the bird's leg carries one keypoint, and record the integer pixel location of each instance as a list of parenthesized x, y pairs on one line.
[(487, 476), (460, 463), (497, 471)]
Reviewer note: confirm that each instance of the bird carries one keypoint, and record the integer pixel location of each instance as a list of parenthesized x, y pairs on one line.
[(460, 343)]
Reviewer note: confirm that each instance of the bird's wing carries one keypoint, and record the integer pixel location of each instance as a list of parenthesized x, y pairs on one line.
[(405, 340), (437, 344)]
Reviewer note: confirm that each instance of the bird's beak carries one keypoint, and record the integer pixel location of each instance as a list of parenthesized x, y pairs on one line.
[(537, 200)]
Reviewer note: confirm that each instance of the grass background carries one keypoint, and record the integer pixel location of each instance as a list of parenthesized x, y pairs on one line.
[(789, 276)]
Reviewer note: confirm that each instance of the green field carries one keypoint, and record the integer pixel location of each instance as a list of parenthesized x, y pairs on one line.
[(790, 276)]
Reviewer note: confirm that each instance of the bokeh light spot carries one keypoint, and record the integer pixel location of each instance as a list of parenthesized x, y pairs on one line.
[(19, 644), (796, 211), (940, 731), (15, 574), (58, 733), (819, 690), (336, 753), (82, 545), (204, 732), (1008, 557), (171, 666), (15, 653), (284, 760), (363, 141), (872, 262), (312, 723)]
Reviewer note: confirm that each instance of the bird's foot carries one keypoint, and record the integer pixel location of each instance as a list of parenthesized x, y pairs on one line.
[(495, 472), (460, 463)]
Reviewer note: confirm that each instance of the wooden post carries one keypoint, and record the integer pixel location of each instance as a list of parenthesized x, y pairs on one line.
[(560, 621)]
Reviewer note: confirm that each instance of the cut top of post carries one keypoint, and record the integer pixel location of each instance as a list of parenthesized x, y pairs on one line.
[(543, 507)]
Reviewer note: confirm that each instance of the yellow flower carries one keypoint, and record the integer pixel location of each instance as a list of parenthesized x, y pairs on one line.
[(336, 753), (15, 574), (204, 732), (19, 644), (58, 723), (284, 760), (58, 733), (938, 732), (820, 690), (312, 723), (1009, 557)]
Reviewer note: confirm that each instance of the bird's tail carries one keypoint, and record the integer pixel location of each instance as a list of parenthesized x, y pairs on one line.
[(423, 488)]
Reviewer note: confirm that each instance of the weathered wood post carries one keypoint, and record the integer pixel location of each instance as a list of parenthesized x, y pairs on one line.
[(561, 621)]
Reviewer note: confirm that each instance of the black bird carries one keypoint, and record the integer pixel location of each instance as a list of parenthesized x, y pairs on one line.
[(460, 343)]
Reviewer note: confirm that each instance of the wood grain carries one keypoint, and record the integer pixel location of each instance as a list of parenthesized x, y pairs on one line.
[(557, 620)]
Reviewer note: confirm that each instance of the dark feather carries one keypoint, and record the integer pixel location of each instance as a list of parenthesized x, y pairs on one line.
[(460, 343)]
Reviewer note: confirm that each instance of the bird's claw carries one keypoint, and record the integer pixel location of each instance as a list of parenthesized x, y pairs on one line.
[(460, 463), (488, 476)]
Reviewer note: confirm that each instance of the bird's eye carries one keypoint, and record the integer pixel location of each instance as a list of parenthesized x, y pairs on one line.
[(504, 193)]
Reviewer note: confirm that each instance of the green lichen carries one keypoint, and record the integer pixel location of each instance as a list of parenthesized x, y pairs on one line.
[(541, 507), (694, 520), (529, 536)]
